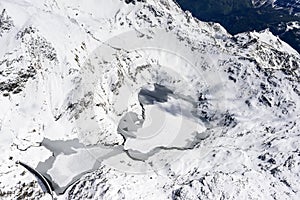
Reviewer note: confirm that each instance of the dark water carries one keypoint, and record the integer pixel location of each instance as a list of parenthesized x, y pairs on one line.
[(240, 16)]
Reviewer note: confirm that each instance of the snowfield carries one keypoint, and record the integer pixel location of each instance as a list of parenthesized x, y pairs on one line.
[(139, 100)]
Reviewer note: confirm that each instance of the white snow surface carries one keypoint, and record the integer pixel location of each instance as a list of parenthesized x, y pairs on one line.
[(71, 70)]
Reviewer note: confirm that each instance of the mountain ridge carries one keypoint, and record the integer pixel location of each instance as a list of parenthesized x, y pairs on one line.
[(69, 73)]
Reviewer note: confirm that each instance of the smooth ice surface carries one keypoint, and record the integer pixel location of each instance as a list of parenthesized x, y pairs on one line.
[(168, 122)]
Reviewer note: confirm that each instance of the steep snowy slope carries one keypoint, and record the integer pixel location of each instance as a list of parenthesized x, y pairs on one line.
[(293, 6), (259, 3), (139, 100)]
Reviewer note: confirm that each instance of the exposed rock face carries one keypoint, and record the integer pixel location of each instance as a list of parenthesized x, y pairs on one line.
[(73, 73)]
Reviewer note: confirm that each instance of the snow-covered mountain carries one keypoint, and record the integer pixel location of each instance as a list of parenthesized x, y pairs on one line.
[(259, 3), (139, 100), (292, 5)]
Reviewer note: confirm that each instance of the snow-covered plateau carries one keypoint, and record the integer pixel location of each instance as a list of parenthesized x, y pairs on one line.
[(137, 99)]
